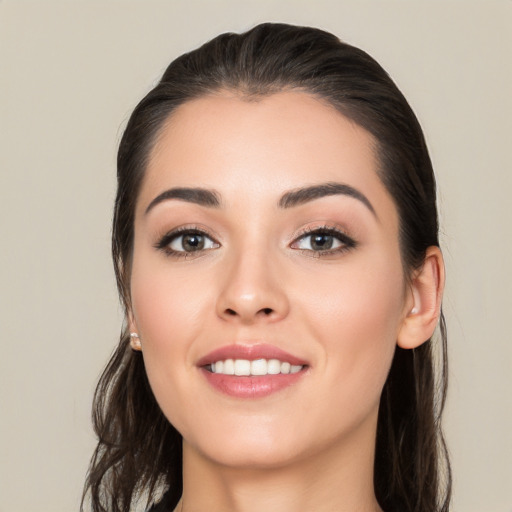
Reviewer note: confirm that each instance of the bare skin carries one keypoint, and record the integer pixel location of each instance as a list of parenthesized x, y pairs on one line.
[(319, 278)]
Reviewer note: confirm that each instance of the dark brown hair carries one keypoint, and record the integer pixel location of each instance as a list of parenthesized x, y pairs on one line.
[(139, 452)]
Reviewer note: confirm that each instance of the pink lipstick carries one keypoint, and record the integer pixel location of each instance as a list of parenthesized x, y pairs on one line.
[(251, 371)]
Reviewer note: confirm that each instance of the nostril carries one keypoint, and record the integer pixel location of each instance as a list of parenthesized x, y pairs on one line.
[(265, 311)]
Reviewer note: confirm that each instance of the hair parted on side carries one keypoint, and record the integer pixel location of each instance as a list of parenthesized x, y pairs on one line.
[(139, 452)]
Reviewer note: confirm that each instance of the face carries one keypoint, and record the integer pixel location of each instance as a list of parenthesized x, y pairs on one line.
[(267, 285)]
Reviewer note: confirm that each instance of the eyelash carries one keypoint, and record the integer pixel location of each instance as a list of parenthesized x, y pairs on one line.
[(347, 243), (165, 242)]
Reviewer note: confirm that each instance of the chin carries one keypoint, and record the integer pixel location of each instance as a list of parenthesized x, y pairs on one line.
[(255, 457), (246, 448)]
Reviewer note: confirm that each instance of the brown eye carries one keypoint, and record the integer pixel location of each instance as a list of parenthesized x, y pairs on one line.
[(324, 241), (321, 242), (191, 242)]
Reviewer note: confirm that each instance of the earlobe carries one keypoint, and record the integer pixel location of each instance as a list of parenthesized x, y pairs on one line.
[(426, 294), (135, 342), (134, 334)]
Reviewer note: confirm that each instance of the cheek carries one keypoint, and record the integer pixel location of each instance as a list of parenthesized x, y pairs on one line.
[(169, 311), (166, 304), (356, 315)]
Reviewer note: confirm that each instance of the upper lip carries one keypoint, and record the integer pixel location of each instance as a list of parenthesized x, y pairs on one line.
[(250, 352)]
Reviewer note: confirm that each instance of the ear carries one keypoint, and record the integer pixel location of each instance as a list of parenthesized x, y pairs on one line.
[(424, 301)]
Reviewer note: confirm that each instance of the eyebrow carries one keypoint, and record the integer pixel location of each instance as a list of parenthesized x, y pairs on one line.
[(211, 199), (304, 195), (200, 196)]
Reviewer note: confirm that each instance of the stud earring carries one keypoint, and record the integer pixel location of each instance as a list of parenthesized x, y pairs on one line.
[(135, 341), (414, 310)]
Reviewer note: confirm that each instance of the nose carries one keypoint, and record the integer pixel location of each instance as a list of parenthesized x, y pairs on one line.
[(252, 290)]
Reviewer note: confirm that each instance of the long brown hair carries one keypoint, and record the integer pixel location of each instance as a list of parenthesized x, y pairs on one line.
[(139, 452)]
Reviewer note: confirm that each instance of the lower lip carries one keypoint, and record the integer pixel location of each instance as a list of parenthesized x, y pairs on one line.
[(251, 387)]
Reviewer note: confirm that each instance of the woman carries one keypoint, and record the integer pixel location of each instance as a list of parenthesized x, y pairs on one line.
[(276, 247)]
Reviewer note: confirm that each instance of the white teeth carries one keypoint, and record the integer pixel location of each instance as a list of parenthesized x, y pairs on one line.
[(242, 367), (258, 367), (274, 367), (229, 367), (285, 367)]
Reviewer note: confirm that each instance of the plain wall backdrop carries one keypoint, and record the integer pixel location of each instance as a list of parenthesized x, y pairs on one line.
[(70, 74)]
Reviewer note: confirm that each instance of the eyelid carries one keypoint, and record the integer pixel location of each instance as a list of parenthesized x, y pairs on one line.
[(164, 241), (347, 241), (326, 227)]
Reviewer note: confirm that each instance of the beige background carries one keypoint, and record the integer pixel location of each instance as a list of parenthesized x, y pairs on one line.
[(70, 74)]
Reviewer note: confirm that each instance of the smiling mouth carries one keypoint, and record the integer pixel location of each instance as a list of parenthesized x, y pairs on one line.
[(257, 367), (252, 371)]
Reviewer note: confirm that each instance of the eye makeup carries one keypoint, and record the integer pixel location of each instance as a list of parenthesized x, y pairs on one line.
[(323, 241), (193, 241), (186, 242)]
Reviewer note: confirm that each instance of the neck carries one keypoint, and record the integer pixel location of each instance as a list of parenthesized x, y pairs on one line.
[(341, 480)]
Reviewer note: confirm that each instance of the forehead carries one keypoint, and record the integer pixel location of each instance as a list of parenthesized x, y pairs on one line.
[(261, 147)]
